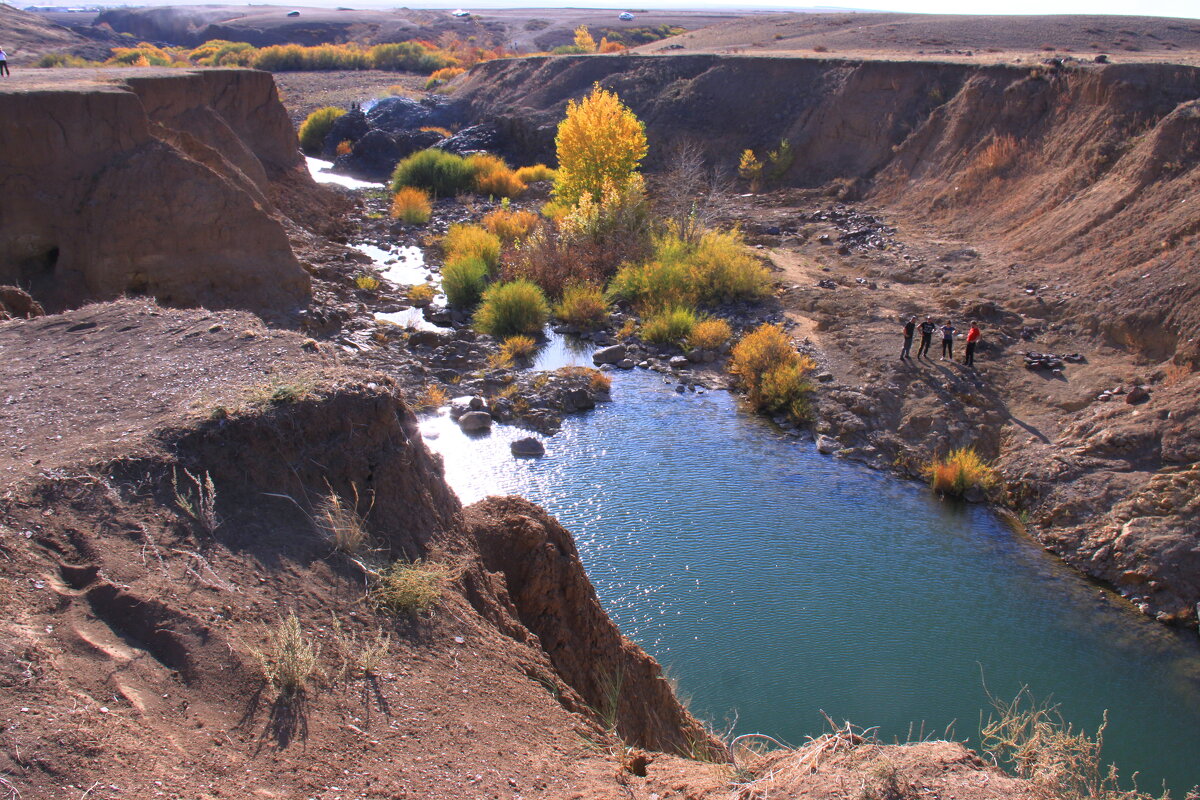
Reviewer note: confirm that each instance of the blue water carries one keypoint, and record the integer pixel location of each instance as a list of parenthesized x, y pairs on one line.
[(773, 583)]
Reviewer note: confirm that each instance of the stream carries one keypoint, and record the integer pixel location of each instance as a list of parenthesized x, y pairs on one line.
[(774, 583)]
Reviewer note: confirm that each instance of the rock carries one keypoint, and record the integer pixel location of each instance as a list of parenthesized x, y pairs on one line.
[(16, 302), (579, 399), (475, 421), (824, 377), (350, 126), (695, 355), (827, 445), (626, 363), (609, 355), (476, 403), (1137, 395), (679, 362), (528, 447)]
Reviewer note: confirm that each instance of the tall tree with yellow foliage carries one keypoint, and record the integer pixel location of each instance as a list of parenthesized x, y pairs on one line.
[(600, 145)]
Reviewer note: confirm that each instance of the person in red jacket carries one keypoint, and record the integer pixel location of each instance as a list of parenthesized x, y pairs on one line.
[(973, 337)]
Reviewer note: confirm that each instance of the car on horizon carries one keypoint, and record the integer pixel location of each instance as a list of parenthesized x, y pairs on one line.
[(625, 16), (458, 12)]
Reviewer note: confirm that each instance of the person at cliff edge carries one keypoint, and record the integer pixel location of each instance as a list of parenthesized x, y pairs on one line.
[(973, 336), (4, 63)]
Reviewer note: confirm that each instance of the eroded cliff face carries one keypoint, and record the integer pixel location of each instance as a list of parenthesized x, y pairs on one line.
[(1090, 171), (157, 182)]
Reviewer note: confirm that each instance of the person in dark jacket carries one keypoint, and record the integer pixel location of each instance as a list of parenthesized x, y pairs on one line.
[(927, 329), (948, 341), (910, 328), (4, 62)]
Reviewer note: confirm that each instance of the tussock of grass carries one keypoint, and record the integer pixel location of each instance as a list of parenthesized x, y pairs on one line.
[(538, 172), (511, 226), (412, 205), (421, 294), (366, 282), (772, 372), (340, 525), (671, 326), (463, 280), (289, 658), (597, 381), (359, 656), (583, 306), (463, 240), (432, 397), (408, 587), (959, 472), (511, 308), (442, 174), (493, 177), (518, 347)]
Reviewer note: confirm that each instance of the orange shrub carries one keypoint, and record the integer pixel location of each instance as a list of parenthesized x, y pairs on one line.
[(412, 205), (510, 225), (493, 177), (344, 147)]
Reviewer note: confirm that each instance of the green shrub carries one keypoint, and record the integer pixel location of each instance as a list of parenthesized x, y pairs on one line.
[(443, 174), (472, 240), (717, 268), (316, 127), (670, 326), (463, 281), (583, 306), (63, 60), (408, 57), (653, 285), (512, 308)]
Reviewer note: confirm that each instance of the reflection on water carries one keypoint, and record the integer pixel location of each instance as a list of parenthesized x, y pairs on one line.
[(409, 318), (402, 266), (777, 582), (563, 351), (319, 170)]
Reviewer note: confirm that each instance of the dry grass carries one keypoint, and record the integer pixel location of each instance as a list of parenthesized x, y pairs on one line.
[(344, 147), (289, 658), (1033, 741), (495, 178), (538, 172), (421, 294), (519, 347), (464, 241), (597, 380), (197, 499), (408, 587), (412, 205), (432, 397), (959, 472), (710, 334), (801, 762), (359, 657), (1176, 374), (341, 525)]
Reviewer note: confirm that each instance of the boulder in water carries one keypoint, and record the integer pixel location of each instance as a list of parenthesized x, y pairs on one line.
[(528, 447), (475, 421), (609, 355), (827, 445)]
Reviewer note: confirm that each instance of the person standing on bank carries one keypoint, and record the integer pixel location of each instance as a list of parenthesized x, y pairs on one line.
[(927, 329), (4, 63), (973, 337), (948, 341), (910, 328)]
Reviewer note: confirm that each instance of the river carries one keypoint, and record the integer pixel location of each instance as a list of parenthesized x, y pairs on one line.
[(774, 583)]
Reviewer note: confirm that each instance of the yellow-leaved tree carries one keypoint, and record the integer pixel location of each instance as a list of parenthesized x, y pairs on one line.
[(600, 144), (584, 40)]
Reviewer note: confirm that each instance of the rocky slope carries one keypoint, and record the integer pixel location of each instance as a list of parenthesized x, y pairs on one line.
[(1054, 204), (159, 182)]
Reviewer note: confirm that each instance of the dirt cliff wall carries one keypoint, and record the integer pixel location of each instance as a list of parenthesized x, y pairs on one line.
[(155, 182), (1090, 170)]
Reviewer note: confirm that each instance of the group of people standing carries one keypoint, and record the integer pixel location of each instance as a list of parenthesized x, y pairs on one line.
[(928, 328)]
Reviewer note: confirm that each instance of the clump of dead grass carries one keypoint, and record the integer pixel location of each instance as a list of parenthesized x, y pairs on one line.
[(358, 656), (408, 587), (289, 658), (341, 525), (959, 472)]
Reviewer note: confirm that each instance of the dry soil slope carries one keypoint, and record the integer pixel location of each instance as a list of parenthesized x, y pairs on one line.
[(26, 37)]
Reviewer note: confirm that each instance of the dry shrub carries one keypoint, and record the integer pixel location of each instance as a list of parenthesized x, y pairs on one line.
[(537, 172), (493, 177), (344, 147), (554, 262), (412, 205), (511, 226), (408, 587), (360, 657), (289, 658), (519, 346), (710, 334), (438, 129), (669, 326), (1176, 374), (366, 282), (992, 161), (1033, 741), (773, 374), (421, 294), (440, 76), (432, 397), (628, 329), (959, 472), (583, 306), (472, 241)]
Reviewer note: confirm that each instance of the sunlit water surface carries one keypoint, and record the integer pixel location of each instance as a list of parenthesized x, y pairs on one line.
[(773, 582)]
